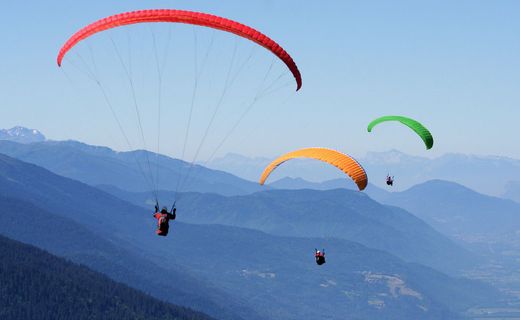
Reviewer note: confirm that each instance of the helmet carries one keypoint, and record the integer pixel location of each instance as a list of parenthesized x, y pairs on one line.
[(317, 251), (165, 208)]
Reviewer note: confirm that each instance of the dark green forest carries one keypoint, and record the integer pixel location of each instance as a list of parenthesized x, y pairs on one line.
[(38, 285)]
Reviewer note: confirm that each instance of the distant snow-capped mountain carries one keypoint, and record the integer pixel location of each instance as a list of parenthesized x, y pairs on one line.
[(21, 135)]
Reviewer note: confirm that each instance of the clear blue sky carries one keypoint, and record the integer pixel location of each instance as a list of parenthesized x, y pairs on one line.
[(454, 65)]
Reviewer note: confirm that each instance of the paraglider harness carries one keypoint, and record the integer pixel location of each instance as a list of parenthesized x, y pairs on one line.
[(320, 256), (163, 218), (389, 180)]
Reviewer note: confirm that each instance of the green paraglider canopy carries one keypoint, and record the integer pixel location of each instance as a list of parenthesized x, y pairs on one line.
[(424, 133)]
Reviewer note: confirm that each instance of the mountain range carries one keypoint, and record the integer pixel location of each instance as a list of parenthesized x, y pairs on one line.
[(21, 135), (133, 171), (145, 170), (227, 272), (338, 213), (486, 225), (81, 223), (456, 210), (237, 245), (486, 174)]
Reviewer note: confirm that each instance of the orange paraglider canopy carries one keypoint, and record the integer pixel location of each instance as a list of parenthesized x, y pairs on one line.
[(341, 161)]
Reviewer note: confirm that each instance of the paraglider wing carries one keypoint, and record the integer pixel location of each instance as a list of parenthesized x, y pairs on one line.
[(424, 133), (341, 161), (188, 17)]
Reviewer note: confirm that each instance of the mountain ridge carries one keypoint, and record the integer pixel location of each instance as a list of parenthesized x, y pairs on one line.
[(97, 165), (469, 170), (21, 135), (341, 213), (260, 276)]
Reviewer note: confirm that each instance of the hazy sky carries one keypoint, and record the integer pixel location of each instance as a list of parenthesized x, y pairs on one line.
[(453, 65)]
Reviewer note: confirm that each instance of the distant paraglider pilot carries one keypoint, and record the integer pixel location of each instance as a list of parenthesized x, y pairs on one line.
[(389, 180), (320, 256), (163, 219)]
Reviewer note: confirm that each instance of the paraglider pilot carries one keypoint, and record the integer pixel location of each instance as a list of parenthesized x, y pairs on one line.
[(163, 219), (389, 180), (320, 256)]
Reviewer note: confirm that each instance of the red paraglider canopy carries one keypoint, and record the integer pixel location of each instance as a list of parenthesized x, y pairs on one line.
[(182, 16)]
